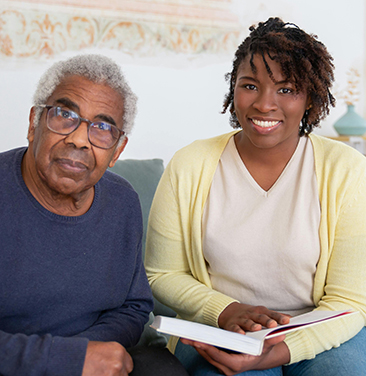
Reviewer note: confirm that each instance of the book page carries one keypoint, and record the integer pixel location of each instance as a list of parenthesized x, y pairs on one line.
[(298, 322), (208, 334)]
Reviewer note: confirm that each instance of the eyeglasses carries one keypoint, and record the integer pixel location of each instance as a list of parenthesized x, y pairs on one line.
[(100, 134)]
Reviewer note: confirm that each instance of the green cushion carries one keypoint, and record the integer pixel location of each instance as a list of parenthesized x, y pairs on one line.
[(144, 176)]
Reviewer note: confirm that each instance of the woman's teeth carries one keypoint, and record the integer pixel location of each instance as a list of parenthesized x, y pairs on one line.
[(264, 124)]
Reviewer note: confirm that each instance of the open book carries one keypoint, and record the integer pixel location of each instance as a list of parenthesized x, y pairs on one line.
[(250, 343)]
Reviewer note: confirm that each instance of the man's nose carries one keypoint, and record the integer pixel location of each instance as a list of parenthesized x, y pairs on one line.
[(80, 136)]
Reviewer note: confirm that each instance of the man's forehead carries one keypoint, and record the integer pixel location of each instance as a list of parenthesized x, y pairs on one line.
[(73, 82), (72, 87), (80, 94)]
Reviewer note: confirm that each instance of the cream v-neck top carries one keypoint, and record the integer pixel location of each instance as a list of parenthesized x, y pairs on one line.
[(262, 247)]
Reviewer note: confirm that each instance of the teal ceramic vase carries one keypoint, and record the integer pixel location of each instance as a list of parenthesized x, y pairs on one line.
[(351, 123)]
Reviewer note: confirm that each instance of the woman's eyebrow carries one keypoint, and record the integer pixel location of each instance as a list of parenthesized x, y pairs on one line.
[(248, 78), (283, 82)]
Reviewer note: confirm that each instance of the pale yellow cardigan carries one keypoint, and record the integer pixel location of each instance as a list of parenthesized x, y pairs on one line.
[(176, 266)]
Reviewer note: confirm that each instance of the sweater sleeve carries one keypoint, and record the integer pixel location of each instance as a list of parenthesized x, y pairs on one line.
[(36, 355), (342, 268), (125, 324)]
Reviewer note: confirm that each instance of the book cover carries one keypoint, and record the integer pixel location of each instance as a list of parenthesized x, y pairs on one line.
[(250, 343)]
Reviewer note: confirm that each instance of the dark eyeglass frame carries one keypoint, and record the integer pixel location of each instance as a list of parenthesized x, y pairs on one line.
[(80, 120)]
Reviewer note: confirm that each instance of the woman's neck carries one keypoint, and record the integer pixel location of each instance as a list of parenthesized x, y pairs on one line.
[(264, 164)]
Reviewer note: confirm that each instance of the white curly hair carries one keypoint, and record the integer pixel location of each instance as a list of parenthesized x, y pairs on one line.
[(96, 68)]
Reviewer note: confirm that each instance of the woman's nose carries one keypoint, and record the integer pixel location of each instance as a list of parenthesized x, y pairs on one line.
[(265, 102)]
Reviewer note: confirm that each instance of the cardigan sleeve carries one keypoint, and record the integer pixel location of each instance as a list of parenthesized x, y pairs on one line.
[(174, 262), (341, 270)]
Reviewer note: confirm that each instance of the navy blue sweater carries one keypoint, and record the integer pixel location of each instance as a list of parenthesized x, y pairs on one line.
[(67, 280)]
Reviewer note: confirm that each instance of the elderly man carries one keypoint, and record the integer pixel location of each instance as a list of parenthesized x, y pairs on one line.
[(73, 290)]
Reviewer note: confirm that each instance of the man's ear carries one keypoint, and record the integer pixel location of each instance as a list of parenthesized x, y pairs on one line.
[(31, 127), (118, 152)]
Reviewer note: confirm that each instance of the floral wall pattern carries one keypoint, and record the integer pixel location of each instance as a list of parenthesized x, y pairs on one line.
[(175, 54), (42, 29)]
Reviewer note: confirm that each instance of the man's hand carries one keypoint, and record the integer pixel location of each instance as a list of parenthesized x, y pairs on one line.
[(239, 318), (107, 359)]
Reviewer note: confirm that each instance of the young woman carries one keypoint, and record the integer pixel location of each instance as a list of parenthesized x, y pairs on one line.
[(267, 221)]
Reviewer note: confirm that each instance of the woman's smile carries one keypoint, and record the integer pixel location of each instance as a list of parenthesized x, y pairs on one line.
[(265, 126)]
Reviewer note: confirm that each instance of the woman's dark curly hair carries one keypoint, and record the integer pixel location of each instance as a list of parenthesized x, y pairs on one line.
[(304, 61)]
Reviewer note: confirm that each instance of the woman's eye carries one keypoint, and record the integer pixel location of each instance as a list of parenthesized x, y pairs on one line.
[(250, 87), (285, 90)]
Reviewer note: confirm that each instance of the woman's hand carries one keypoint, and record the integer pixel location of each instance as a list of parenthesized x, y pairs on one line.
[(275, 353), (239, 318)]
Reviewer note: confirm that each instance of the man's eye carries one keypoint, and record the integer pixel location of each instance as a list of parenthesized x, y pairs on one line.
[(102, 126), (64, 113)]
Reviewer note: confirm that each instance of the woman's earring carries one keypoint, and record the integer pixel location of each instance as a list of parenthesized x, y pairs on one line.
[(304, 124)]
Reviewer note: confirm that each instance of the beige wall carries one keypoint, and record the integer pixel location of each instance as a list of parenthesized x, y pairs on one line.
[(175, 54)]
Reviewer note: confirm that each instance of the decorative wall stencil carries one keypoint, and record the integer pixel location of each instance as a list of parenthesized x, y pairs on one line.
[(42, 29)]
